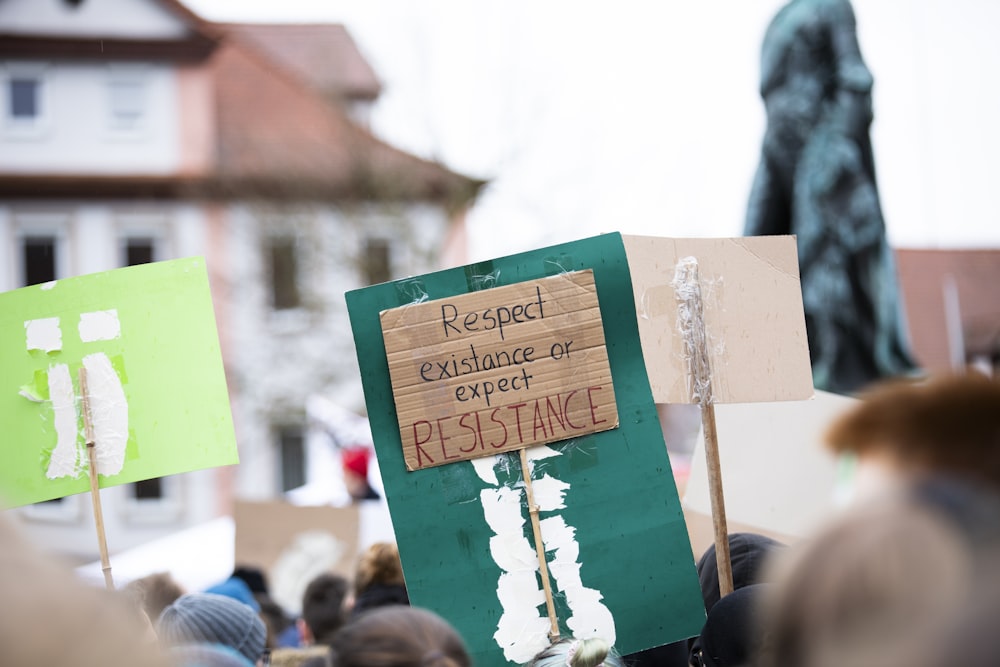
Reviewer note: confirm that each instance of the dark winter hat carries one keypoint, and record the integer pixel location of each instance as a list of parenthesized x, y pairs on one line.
[(214, 619)]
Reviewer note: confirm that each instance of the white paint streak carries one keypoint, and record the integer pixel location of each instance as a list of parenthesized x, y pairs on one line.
[(43, 334), (549, 493), (65, 457), (521, 631), (590, 618), (485, 468), (49, 285), (99, 325), (108, 412)]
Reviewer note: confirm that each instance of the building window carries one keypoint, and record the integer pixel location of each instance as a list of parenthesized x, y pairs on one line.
[(139, 250), (377, 262), (292, 456), (128, 103), (283, 265), (38, 259), (148, 489), (24, 98)]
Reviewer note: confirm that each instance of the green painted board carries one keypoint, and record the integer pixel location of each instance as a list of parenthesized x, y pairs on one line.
[(616, 544), (146, 335)]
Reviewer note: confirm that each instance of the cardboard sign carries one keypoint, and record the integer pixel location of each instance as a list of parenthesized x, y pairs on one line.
[(146, 335), (618, 554), (295, 544), (779, 478), (754, 322), (497, 370)]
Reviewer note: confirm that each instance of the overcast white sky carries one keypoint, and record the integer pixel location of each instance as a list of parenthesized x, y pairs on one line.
[(643, 117)]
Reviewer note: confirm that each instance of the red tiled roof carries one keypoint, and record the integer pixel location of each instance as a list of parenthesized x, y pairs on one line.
[(976, 275), (279, 137), (324, 55)]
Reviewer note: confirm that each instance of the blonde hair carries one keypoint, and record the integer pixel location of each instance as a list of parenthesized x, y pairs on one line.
[(591, 652), (379, 564)]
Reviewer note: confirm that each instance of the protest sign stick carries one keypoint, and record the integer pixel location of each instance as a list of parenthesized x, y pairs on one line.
[(691, 321), (539, 547), (95, 491)]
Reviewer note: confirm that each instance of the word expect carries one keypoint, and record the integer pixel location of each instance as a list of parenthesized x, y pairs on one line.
[(540, 420)]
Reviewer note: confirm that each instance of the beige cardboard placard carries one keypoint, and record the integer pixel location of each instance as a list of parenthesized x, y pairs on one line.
[(294, 544), (753, 317), (779, 478), (496, 370)]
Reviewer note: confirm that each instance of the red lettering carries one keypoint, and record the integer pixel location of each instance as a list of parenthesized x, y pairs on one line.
[(493, 418), (461, 422), (549, 409), (593, 408), (517, 415), (442, 437), (417, 442), (539, 423), (567, 413)]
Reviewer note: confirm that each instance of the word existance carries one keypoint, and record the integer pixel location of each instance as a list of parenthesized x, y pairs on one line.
[(491, 371)]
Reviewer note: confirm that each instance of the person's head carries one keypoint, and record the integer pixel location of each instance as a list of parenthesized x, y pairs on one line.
[(355, 461), (237, 589), (730, 635), (322, 608), (748, 553), (52, 618), (399, 636), (254, 577), (868, 589), (155, 592), (214, 619), (378, 579), (207, 655), (948, 424), (593, 652)]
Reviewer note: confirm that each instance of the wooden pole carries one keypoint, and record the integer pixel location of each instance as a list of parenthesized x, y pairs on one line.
[(539, 548), (691, 320), (95, 491)]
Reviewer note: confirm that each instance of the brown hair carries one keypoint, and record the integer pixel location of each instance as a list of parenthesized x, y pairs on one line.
[(155, 592), (868, 590), (950, 424), (398, 636), (379, 564)]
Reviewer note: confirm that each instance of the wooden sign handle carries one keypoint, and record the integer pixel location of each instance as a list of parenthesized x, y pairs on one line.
[(95, 491), (539, 548), (691, 320)]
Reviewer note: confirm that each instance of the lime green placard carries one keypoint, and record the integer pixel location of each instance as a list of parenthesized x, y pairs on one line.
[(146, 335), (616, 544)]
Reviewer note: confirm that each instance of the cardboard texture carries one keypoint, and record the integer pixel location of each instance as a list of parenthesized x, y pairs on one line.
[(753, 317), (294, 544), (498, 370), (613, 530), (778, 477), (148, 339)]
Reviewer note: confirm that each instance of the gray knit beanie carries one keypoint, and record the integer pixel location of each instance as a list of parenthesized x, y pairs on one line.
[(215, 619)]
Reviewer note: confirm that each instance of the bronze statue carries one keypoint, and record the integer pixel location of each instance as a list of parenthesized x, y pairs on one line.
[(816, 179)]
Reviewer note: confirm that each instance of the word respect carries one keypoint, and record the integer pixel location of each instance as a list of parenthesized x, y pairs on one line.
[(494, 317)]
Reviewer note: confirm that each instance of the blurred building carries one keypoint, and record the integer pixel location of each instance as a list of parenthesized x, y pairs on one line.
[(134, 131), (952, 307)]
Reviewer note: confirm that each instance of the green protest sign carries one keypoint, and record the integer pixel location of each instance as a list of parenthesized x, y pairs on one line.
[(614, 537), (158, 400)]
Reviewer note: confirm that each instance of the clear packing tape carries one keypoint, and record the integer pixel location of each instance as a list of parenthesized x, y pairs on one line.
[(691, 325)]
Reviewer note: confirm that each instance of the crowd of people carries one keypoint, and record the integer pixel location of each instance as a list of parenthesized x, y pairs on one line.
[(907, 576)]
